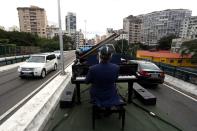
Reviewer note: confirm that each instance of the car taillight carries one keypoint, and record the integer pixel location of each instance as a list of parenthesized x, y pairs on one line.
[(144, 73), (162, 74)]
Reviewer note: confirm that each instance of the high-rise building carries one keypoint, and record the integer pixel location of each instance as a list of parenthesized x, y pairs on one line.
[(132, 25), (192, 28), (79, 39), (162, 23), (70, 22), (32, 19)]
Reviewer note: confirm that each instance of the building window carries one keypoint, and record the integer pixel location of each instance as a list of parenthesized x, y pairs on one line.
[(180, 61), (171, 61)]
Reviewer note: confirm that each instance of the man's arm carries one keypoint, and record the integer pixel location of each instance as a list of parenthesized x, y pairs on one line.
[(89, 77)]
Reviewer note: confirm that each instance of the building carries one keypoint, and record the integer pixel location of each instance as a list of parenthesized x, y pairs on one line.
[(33, 20), (97, 39), (79, 38), (109, 32), (162, 23), (166, 57), (103, 37), (192, 28), (132, 25), (70, 22), (123, 35), (52, 31)]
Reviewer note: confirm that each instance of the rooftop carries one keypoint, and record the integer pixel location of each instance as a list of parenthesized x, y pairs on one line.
[(161, 54)]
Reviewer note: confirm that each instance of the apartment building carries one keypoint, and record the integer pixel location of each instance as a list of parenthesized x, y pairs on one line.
[(33, 20), (192, 28), (162, 23), (79, 38), (70, 22), (132, 25)]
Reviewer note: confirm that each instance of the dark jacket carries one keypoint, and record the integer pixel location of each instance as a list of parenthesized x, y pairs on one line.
[(103, 91)]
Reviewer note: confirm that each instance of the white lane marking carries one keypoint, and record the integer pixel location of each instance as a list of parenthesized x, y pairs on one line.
[(181, 92), (24, 99)]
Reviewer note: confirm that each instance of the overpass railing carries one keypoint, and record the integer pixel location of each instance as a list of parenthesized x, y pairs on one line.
[(179, 72)]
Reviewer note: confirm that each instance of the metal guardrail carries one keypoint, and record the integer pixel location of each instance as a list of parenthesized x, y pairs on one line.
[(179, 72), (12, 60)]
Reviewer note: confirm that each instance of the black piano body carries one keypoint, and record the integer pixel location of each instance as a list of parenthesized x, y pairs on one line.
[(84, 60)]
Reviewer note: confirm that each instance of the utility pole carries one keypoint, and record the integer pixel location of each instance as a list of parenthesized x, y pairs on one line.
[(122, 41), (61, 39), (85, 30)]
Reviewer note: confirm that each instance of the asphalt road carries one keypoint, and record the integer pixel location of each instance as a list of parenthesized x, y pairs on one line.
[(13, 89), (178, 107)]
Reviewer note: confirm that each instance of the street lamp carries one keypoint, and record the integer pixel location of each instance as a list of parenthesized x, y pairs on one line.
[(61, 39)]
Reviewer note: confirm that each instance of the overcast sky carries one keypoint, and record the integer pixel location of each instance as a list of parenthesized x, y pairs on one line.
[(99, 14)]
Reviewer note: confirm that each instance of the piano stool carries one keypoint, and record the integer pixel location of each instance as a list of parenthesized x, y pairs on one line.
[(67, 98), (101, 110), (144, 96)]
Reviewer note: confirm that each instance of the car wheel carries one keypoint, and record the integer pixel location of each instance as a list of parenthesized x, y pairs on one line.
[(43, 73), (55, 67)]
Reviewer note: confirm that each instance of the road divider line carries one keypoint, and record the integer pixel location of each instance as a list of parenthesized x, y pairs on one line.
[(181, 93)]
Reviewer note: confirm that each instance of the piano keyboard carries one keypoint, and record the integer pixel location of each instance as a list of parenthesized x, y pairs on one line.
[(82, 78)]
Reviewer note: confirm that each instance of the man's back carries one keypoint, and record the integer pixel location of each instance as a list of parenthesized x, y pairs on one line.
[(104, 74), (102, 77)]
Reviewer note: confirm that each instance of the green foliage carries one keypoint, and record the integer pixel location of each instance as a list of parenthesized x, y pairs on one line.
[(165, 42), (67, 41), (121, 46), (189, 47), (28, 39)]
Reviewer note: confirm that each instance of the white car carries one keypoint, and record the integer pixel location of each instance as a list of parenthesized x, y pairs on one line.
[(38, 65), (57, 54)]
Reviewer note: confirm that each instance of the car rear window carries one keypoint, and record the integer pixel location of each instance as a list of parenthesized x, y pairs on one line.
[(37, 59), (149, 66)]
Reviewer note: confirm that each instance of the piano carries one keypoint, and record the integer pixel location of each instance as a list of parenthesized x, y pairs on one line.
[(84, 60), (126, 72)]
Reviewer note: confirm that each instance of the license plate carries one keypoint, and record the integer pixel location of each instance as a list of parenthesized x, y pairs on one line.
[(154, 75)]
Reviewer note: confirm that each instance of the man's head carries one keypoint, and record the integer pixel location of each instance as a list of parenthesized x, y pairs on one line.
[(105, 53)]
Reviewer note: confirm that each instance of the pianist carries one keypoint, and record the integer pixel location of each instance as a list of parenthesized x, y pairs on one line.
[(102, 76)]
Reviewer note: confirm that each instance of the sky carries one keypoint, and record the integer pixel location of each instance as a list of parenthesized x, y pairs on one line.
[(98, 14)]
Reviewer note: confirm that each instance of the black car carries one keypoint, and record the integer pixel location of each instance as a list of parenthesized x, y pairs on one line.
[(148, 73)]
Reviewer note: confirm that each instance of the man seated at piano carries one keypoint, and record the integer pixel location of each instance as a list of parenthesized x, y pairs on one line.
[(102, 78)]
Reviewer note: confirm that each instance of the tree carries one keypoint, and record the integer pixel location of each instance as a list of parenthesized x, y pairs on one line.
[(189, 47), (165, 42), (129, 50), (67, 41), (121, 46)]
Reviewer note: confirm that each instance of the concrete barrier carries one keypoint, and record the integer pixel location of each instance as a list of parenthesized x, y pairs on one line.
[(12, 59), (188, 87), (36, 112), (8, 67)]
